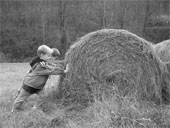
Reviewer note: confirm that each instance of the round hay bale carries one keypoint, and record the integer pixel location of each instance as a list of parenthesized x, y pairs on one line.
[(111, 62), (162, 49)]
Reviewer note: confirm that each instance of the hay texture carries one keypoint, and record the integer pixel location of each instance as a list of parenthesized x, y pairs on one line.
[(163, 50), (112, 62)]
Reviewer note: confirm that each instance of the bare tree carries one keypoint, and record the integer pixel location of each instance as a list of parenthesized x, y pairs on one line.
[(104, 14), (150, 9), (62, 6), (43, 20), (123, 5), (146, 16)]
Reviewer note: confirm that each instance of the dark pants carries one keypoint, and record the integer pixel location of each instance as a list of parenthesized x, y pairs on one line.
[(23, 95)]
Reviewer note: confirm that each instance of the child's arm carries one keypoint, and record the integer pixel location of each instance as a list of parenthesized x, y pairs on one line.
[(61, 62), (47, 65), (57, 70)]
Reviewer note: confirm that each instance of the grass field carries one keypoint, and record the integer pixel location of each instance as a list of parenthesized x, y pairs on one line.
[(11, 77), (49, 114)]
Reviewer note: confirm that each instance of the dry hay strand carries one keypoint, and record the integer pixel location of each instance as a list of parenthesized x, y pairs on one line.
[(112, 62), (162, 49)]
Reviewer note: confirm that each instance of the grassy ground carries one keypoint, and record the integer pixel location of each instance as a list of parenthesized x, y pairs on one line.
[(11, 75), (107, 114)]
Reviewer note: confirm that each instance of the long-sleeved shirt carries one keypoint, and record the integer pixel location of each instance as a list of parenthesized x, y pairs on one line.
[(38, 75)]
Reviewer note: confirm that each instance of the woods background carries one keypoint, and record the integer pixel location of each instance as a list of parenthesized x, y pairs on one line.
[(26, 24)]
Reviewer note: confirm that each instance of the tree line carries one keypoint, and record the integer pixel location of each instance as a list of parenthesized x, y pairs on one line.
[(58, 23)]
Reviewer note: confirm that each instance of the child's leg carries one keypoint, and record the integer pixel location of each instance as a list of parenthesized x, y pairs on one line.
[(40, 96), (18, 92), (23, 96)]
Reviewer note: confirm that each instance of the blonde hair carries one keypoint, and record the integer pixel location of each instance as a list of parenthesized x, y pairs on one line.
[(55, 52), (44, 49)]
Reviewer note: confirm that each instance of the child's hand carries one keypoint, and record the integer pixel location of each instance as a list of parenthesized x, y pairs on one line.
[(67, 69)]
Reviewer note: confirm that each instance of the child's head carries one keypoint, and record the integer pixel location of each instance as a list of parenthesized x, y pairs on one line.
[(55, 53), (44, 52)]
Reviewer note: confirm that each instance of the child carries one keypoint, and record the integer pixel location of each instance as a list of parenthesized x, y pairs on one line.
[(55, 54), (54, 62), (36, 78), (57, 62)]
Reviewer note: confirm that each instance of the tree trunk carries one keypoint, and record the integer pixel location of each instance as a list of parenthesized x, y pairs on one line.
[(63, 35), (122, 14), (146, 17), (104, 14)]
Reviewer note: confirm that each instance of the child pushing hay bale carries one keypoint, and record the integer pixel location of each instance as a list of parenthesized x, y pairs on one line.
[(112, 62), (163, 50)]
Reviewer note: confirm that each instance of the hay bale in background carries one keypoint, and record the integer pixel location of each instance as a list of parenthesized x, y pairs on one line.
[(163, 50), (112, 62)]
